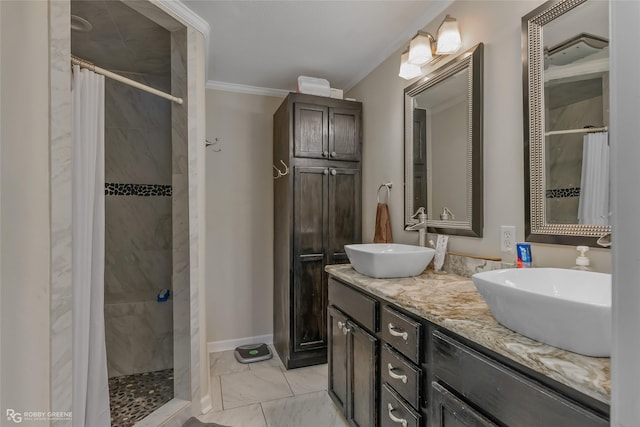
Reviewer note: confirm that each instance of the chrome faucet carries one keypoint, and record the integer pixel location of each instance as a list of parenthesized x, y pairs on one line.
[(421, 226), (604, 240)]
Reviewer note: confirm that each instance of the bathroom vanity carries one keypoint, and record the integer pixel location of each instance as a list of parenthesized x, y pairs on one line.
[(425, 351)]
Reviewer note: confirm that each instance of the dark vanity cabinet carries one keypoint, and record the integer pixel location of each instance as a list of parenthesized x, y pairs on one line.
[(420, 374), (317, 210)]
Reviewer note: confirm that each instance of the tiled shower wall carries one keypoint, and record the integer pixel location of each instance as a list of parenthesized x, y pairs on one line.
[(564, 161), (138, 248)]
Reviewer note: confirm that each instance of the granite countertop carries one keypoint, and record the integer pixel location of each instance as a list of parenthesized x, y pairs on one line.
[(451, 301)]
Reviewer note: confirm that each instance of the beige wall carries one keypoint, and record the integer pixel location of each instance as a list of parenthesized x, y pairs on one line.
[(497, 25), (24, 200), (239, 211)]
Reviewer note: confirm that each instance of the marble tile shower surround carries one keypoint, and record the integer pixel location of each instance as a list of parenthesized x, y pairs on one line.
[(564, 157), (139, 337), (186, 330), (138, 247), (453, 302), (120, 38)]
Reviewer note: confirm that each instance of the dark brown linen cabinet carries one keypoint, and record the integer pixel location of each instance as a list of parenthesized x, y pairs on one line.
[(317, 210)]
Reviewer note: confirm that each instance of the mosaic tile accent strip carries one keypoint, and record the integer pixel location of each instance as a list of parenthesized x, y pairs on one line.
[(563, 193), (116, 189), (133, 397)]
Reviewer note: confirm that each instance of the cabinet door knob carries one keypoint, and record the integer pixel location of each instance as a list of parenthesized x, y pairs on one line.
[(346, 330), (333, 172), (333, 154), (394, 418), (326, 172), (340, 324), (395, 376), (397, 332), (325, 154)]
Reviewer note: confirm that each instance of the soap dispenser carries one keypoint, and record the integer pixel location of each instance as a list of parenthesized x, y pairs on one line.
[(582, 262)]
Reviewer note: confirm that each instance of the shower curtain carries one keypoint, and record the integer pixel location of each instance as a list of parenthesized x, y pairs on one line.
[(593, 206), (90, 379)]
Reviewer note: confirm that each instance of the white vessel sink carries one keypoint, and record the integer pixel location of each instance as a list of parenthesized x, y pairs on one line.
[(569, 309), (387, 260)]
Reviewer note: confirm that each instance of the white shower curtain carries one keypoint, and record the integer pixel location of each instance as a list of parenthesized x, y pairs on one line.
[(593, 207), (90, 380)]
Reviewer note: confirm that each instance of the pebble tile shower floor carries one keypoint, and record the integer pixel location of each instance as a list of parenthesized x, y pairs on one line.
[(133, 397)]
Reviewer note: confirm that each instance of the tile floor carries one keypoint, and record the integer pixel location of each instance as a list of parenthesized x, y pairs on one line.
[(265, 394)]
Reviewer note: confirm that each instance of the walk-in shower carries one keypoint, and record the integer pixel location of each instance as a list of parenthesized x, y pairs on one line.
[(138, 205)]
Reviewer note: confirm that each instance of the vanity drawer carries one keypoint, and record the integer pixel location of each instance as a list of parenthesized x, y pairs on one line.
[(401, 374), (507, 395), (359, 306), (394, 412), (401, 332)]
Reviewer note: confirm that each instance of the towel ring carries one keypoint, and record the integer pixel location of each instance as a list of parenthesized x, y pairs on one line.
[(388, 186)]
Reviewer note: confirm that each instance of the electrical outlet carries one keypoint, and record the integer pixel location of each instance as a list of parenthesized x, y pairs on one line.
[(507, 238)]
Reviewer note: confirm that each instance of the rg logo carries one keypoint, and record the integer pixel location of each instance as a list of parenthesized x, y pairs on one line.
[(14, 416)]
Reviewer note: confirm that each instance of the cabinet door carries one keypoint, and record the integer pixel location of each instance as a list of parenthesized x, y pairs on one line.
[(337, 358), (449, 411), (309, 284), (363, 363), (344, 134), (344, 205), (311, 134)]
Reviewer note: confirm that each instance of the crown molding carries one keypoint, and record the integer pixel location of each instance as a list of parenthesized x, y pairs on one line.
[(187, 15), (251, 90), (435, 9)]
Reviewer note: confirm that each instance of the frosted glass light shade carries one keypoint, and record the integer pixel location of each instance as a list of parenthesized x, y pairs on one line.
[(449, 40), (420, 50), (408, 70)]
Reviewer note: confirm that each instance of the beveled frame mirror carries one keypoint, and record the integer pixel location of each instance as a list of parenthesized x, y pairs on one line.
[(443, 154), (557, 29)]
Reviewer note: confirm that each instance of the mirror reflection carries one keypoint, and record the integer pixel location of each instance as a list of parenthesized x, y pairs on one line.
[(443, 147), (440, 128), (576, 93), (566, 116)]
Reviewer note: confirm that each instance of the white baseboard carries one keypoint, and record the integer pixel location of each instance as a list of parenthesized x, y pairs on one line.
[(215, 346), (205, 404)]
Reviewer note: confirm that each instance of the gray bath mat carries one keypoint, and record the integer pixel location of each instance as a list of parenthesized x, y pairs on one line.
[(194, 422)]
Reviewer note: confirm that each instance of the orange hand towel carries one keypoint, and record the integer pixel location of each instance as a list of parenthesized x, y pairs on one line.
[(382, 232)]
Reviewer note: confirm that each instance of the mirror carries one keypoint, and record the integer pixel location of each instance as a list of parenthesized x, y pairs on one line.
[(566, 119), (443, 146)]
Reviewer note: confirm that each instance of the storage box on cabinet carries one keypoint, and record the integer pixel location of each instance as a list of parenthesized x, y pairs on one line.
[(499, 392)]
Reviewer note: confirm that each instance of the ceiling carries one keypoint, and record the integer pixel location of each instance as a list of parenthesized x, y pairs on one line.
[(121, 40), (268, 44)]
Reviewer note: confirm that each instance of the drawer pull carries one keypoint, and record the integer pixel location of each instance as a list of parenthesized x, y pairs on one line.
[(395, 376), (394, 331), (394, 418)]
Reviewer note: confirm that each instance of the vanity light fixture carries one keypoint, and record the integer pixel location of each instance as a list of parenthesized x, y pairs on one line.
[(449, 40), (421, 48), (408, 70)]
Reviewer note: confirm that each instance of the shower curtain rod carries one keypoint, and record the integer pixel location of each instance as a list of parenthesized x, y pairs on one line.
[(86, 64), (582, 130)]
